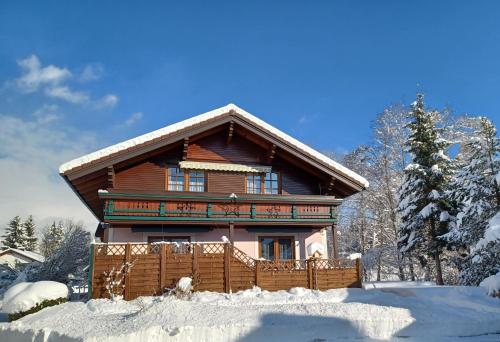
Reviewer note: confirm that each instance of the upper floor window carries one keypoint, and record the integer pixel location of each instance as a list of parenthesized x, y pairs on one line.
[(267, 183), (197, 181), (175, 179), (271, 183), (254, 184)]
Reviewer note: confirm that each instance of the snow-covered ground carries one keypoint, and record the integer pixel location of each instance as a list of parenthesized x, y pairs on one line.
[(389, 311)]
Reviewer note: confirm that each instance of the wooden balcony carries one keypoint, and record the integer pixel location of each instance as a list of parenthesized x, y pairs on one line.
[(209, 208)]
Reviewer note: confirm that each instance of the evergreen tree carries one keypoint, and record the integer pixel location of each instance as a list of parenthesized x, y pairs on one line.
[(51, 239), (423, 206), (476, 194), (15, 236), (29, 230)]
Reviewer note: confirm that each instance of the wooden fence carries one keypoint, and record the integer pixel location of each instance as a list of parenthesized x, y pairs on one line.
[(218, 267)]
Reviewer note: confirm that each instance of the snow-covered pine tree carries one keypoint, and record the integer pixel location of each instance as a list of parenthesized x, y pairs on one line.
[(51, 239), (476, 194), (29, 231), (422, 202), (15, 236)]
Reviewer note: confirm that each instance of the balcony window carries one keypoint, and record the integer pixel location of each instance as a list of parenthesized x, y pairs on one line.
[(197, 181), (175, 179), (254, 185)]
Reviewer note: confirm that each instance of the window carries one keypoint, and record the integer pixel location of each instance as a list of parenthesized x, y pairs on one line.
[(175, 179), (179, 239), (267, 183), (254, 184), (197, 181), (271, 183), (276, 248)]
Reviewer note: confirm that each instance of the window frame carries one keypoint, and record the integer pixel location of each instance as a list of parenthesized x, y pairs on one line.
[(263, 183), (276, 246), (185, 179), (188, 183)]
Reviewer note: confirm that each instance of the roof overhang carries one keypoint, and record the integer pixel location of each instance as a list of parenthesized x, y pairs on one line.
[(177, 132)]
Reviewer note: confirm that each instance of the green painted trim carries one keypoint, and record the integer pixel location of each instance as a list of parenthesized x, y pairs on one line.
[(209, 209), (294, 211), (202, 219), (208, 198), (162, 208), (253, 210), (91, 271)]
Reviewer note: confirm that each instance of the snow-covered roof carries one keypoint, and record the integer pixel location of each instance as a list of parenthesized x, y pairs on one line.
[(28, 254), (199, 119)]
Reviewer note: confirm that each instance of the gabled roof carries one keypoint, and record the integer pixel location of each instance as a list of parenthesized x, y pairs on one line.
[(27, 254), (196, 121)]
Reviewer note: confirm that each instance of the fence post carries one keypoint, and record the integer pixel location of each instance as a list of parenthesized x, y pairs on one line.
[(163, 267), (309, 273), (227, 268), (126, 295), (257, 272), (359, 271), (196, 253), (91, 271)]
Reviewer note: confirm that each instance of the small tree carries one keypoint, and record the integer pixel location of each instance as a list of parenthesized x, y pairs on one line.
[(114, 280), (29, 231), (15, 236), (51, 238), (70, 257)]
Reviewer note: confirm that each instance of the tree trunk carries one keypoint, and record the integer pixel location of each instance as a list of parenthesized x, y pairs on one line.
[(439, 272), (379, 266), (412, 269)]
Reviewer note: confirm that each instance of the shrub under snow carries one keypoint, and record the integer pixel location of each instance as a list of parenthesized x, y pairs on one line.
[(492, 285), (25, 296)]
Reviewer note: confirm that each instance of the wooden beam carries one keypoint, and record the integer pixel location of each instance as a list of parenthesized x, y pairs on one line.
[(335, 242), (231, 232), (185, 148), (230, 132), (331, 184), (270, 153)]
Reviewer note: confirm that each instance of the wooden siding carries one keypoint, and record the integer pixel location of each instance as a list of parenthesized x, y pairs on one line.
[(215, 267), (149, 175), (225, 182), (216, 148)]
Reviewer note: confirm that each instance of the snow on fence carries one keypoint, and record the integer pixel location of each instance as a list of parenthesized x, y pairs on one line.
[(218, 267)]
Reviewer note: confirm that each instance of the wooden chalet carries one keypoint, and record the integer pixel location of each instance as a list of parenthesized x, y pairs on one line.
[(222, 173)]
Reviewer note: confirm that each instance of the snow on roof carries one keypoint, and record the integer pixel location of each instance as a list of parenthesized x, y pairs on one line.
[(28, 254), (205, 117)]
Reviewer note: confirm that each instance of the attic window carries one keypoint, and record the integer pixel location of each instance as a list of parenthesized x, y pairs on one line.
[(267, 183)]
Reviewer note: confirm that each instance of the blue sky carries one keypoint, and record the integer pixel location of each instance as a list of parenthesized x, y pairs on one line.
[(78, 76)]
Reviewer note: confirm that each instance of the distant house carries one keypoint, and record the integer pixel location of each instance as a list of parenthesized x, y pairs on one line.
[(221, 173), (13, 256)]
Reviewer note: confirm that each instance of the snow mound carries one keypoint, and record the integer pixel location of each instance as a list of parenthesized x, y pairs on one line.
[(430, 313), (492, 284), (315, 247), (24, 296), (354, 256), (184, 284)]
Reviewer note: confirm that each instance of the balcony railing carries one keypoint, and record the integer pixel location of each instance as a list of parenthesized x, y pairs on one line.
[(216, 209)]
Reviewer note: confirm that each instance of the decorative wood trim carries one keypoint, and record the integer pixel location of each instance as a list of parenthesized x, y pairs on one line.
[(270, 153), (185, 148), (111, 177), (230, 132)]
